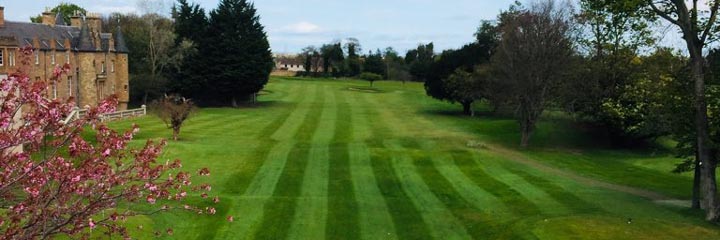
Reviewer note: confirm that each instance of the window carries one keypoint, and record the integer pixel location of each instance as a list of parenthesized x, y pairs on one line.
[(37, 57), (11, 57), (70, 86), (102, 67), (52, 58), (112, 66), (67, 57), (2, 51), (54, 90)]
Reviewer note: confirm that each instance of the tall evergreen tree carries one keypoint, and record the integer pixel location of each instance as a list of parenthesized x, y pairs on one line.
[(374, 63), (238, 54), (190, 27), (352, 62)]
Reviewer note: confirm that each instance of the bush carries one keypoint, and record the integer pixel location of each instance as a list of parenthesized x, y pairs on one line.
[(370, 76)]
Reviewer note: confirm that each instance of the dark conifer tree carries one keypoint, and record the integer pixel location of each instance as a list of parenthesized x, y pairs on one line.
[(238, 52), (190, 25)]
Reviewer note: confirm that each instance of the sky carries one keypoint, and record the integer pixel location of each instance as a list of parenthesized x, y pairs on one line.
[(295, 24)]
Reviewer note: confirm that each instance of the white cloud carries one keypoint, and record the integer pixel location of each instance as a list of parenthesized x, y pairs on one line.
[(301, 27)]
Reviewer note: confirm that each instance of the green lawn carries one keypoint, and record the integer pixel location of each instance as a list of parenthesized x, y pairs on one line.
[(328, 159)]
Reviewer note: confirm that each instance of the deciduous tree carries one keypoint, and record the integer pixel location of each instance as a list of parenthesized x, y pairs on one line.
[(173, 110), (532, 56)]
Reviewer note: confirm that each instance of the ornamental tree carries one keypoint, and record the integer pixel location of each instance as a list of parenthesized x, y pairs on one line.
[(173, 110), (53, 181)]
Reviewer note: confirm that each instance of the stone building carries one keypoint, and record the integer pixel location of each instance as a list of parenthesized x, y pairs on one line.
[(98, 60)]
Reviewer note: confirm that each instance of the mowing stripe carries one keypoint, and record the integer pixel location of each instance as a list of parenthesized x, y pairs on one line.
[(287, 131), (406, 218), (311, 211), (478, 223), (374, 215), (567, 198), (241, 179), (472, 170), (375, 219), (342, 220), (440, 220), (540, 198), (472, 193), (251, 205), (284, 201), (475, 194)]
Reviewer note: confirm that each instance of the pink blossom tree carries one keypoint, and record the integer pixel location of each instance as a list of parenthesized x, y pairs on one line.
[(55, 182)]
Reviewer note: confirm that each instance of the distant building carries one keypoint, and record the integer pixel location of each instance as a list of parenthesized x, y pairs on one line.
[(99, 61), (289, 62)]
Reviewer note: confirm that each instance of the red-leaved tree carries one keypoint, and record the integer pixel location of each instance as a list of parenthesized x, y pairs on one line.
[(55, 182)]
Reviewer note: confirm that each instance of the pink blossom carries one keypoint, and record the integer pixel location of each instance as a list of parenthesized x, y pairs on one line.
[(91, 223), (230, 219)]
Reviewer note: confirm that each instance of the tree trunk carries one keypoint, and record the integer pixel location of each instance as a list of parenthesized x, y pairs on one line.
[(145, 98), (708, 183), (371, 83), (233, 102), (467, 108), (525, 138), (176, 133), (696, 185)]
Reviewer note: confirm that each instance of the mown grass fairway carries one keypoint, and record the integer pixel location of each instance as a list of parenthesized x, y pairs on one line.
[(331, 160)]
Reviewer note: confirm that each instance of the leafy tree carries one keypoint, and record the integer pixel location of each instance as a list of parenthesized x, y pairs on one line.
[(312, 58), (467, 87), (370, 77), (531, 59), (464, 59), (396, 67), (613, 34), (239, 56), (67, 9), (55, 182), (698, 28), (173, 110), (333, 58), (420, 60), (352, 62), (374, 63)]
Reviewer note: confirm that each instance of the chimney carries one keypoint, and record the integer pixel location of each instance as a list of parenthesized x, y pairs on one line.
[(76, 20), (2, 16), (48, 18), (94, 22)]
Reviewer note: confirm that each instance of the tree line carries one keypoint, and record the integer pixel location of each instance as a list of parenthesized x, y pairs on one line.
[(602, 65), (220, 58)]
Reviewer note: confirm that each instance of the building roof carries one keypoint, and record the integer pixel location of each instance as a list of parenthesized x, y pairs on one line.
[(60, 19), (24, 33), (120, 45), (84, 41), (81, 39)]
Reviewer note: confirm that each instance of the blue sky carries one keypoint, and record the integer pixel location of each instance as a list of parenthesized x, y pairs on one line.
[(294, 24)]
